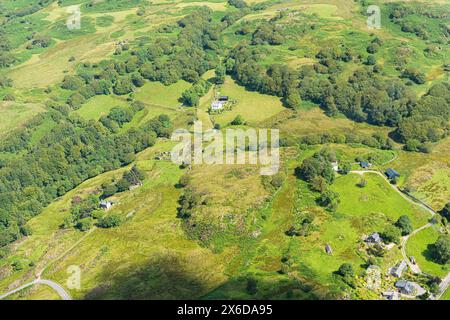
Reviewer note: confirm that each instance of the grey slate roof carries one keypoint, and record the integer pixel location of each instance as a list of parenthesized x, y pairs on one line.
[(391, 173)]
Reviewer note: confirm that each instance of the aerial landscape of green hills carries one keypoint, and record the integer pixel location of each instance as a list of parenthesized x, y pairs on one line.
[(352, 201)]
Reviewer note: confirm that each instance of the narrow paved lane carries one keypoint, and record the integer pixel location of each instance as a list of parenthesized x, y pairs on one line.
[(60, 290), (443, 286), (414, 268)]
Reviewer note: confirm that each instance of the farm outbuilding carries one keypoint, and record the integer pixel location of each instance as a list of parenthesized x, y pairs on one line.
[(328, 249), (374, 238), (392, 174)]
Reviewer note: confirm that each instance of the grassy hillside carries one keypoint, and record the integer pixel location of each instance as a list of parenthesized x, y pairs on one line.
[(81, 108)]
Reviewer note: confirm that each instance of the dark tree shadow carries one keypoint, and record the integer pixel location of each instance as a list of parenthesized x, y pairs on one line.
[(164, 277), (430, 253), (270, 288)]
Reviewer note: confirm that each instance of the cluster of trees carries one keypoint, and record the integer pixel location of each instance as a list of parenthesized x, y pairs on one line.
[(191, 96), (100, 79), (268, 33), (16, 142), (406, 17), (445, 212), (303, 227), (377, 140), (347, 273), (39, 41), (73, 151), (279, 80), (317, 170), (6, 57), (365, 97), (118, 116), (160, 125), (191, 54), (414, 75), (5, 82), (392, 233), (84, 213), (428, 120), (441, 249), (405, 225), (188, 201), (131, 178), (19, 139), (237, 3)]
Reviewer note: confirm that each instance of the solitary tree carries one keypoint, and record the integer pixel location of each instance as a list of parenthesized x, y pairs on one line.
[(442, 249), (252, 286), (391, 234), (346, 270), (404, 224)]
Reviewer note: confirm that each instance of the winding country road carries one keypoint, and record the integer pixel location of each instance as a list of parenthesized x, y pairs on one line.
[(52, 284), (414, 267), (361, 172), (60, 290)]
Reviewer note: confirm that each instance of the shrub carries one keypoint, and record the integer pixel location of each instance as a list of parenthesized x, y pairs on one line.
[(111, 221), (404, 224)]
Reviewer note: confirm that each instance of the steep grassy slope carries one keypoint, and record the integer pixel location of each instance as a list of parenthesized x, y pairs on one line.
[(241, 221)]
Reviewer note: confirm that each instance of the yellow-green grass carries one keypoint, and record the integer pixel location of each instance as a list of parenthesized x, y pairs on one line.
[(148, 256), (426, 175), (204, 103), (349, 153), (323, 10), (216, 6), (377, 199), (149, 112), (100, 106), (159, 94), (418, 247), (309, 264), (310, 121), (35, 292), (252, 106), (360, 212), (15, 114), (229, 188), (327, 9), (436, 189), (446, 295), (48, 68)]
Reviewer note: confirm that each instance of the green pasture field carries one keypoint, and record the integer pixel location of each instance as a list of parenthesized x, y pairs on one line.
[(99, 106), (252, 106), (14, 115), (158, 94), (418, 246)]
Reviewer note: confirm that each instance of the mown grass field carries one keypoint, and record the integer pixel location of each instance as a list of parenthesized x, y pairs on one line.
[(252, 106), (376, 199), (159, 94), (100, 106), (419, 247)]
